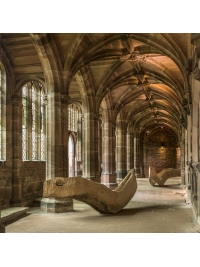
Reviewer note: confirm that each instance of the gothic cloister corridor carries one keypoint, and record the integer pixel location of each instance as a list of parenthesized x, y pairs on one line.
[(94, 90)]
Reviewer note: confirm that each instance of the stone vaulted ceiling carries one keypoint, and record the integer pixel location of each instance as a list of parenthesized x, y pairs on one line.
[(140, 76)]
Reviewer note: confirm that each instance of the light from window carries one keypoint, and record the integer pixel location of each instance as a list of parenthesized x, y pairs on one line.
[(2, 112), (42, 109), (72, 117), (24, 122), (34, 141), (33, 122)]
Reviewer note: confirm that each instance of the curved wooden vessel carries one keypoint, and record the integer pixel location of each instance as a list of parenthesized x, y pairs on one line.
[(97, 195), (161, 177)]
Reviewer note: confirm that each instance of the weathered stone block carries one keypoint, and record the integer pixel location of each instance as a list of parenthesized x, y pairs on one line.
[(28, 188), (38, 186), (2, 227), (56, 205)]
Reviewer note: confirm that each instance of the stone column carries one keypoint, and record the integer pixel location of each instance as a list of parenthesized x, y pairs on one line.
[(195, 196), (57, 136), (100, 145), (17, 197), (129, 152), (57, 148), (2, 227), (136, 156), (90, 146), (197, 167), (108, 176), (121, 168), (141, 155), (182, 145)]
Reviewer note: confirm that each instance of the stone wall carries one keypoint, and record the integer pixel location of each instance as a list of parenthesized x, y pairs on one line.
[(33, 176), (5, 185), (161, 152)]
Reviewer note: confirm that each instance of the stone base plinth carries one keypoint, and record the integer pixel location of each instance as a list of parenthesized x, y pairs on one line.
[(112, 186), (55, 205)]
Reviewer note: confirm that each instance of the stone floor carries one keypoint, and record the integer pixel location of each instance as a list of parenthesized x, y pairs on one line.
[(151, 210)]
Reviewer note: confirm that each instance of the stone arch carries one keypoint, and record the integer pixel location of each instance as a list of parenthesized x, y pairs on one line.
[(23, 81)]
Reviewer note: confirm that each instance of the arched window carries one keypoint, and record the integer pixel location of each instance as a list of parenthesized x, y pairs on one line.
[(33, 121), (2, 112), (71, 156)]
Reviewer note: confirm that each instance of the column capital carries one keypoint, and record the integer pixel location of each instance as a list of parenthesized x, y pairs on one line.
[(97, 116), (65, 98)]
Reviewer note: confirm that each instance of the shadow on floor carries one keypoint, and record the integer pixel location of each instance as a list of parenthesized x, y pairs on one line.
[(16, 219), (128, 211), (172, 186)]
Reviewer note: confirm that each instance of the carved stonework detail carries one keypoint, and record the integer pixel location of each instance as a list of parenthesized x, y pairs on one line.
[(188, 66), (193, 65), (183, 121), (97, 195), (185, 106), (196, 64), (45, 99), (65, 98), (161, 177)]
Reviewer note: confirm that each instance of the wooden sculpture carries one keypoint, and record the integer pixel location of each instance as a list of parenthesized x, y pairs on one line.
[(161, 177), (97, 195)]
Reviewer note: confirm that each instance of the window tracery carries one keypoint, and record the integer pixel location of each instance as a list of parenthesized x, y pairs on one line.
[(2, 112), (33, 121), (73, 113)]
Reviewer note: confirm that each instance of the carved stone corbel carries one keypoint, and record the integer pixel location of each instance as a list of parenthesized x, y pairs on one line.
[(45, 99), (185, 106), (65, 98), (183, 121), (188, 66), (196, 64)]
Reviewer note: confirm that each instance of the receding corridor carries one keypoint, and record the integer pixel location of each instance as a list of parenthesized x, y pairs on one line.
[(152, 210)]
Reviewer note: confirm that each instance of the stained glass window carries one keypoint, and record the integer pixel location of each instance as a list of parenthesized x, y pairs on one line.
[(42, 109), (69, 117), (73, 117), (34, 141), (33, 122), (2, 112), (73, 112), (24, 122)]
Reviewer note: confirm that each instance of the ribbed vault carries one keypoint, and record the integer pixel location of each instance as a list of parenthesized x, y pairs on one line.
[(141, 75)]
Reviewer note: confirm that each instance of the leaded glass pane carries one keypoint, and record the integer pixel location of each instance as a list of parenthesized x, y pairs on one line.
[(42, 124), (0, 114), (34, 139), (73, 118), (69, 117), (24, 123)]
